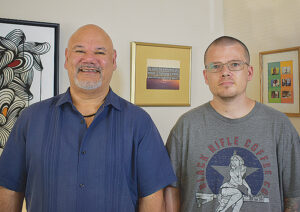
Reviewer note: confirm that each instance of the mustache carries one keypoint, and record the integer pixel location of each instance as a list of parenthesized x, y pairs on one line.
[(89, 66)]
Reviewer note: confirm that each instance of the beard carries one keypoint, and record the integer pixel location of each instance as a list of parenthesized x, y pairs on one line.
[(85, 84)]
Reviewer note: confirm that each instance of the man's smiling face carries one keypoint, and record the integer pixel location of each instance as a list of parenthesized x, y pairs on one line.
[(90, 59)]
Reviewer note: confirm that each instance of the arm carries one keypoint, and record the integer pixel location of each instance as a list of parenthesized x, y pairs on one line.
[(10, 201), (152, 203), (292, 204), (172, 198), (248, 187)]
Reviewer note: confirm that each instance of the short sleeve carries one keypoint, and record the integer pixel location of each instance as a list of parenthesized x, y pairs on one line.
[(13, 161), (174, 149), (153, 163), (291, 162)]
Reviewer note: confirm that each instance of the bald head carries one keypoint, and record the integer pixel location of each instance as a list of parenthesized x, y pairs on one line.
[(88, 32), (227, 41)]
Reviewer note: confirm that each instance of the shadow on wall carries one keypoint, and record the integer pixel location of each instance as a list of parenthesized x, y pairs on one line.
[(117, 83)]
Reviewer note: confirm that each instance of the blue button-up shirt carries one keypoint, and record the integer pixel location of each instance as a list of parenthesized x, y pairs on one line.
[(64, 166)]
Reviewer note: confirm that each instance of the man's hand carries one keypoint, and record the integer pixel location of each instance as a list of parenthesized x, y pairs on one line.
[(292, 204)]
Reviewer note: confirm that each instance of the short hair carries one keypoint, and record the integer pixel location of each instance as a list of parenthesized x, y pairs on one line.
[(227, 40)]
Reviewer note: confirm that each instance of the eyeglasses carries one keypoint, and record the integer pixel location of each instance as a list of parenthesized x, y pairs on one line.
[(233, 65)]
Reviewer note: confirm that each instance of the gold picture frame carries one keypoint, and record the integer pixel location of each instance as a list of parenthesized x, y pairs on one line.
[(160, 74), (279, 80)]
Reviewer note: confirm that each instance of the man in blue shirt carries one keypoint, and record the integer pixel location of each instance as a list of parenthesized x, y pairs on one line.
[(87, 149)]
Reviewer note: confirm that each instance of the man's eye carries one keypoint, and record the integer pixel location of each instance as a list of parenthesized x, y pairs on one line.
[(79, 51), (215, 66), (99, 53), (235, 65)]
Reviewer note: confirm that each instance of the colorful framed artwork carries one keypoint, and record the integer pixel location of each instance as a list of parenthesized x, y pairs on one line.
[(280, 80), (160, 74), (29, 54)]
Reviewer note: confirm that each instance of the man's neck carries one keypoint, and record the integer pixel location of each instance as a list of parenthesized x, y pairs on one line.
[(233, 108), (88, 101)]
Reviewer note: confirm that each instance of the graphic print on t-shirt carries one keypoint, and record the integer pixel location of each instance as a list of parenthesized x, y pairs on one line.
[(233, 175)]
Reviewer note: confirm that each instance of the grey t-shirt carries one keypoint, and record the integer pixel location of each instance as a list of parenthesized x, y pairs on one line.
[(245, 164)]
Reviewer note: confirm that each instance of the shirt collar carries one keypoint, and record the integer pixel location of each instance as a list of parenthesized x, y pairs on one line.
[(65, 97), (111, 99)]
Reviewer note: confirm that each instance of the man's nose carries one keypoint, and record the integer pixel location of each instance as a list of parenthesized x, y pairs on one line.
[(225, 71), (89, 56)]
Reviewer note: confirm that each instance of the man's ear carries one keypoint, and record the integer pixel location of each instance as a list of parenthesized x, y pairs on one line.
[(115, 59), (250, 71), (66, 58), (205, 76)]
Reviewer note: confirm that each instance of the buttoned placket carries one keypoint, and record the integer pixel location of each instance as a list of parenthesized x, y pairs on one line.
[(83, 151), (81, 156)]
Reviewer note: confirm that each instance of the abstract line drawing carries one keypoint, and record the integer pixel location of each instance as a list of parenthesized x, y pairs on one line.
[(20, 60)]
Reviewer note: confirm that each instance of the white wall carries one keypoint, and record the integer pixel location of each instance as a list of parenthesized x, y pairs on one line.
[(263, 25), (192, 22)]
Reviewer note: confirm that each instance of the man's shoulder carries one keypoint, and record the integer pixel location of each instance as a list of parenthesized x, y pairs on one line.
[(270, 116), (128, 107), (192, 118), (37, 113), (42, 106), (265, 111), (194, 113)]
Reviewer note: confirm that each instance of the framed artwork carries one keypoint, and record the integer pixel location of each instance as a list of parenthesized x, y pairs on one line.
[(160, 74), (28, 68), (280, 79)]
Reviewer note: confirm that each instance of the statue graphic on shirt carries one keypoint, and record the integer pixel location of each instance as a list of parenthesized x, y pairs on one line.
[(230, 195), (226, 188)]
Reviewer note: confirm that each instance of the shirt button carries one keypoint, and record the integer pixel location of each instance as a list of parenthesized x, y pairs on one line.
[(81, 185), (81, 121), (83, 152)]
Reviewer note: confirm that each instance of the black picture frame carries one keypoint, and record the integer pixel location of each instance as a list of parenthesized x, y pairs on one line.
[(39, 25), (29, 68)]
